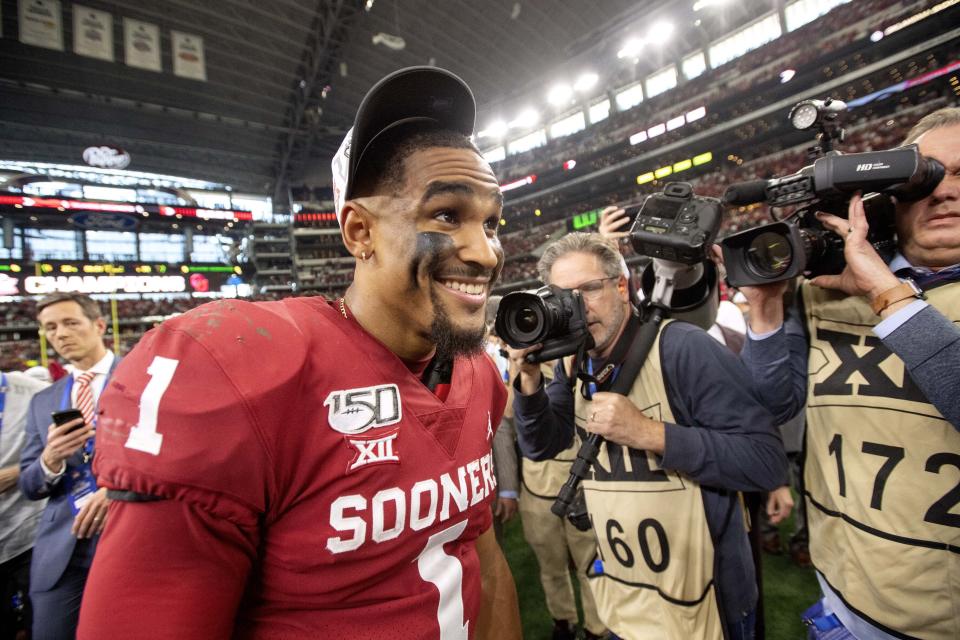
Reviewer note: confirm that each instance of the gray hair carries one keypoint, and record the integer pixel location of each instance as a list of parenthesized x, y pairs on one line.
[(945, 117), (578, 242)]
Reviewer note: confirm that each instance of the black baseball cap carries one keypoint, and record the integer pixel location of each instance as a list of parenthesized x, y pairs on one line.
[(433, 96)]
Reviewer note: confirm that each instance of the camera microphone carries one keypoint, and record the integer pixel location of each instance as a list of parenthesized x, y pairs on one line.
[(740, 194)]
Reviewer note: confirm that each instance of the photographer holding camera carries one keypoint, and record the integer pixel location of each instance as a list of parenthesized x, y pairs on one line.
[(673, 558), (874, 352)]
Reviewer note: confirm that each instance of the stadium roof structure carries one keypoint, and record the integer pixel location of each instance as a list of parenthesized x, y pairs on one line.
[(284, 77)]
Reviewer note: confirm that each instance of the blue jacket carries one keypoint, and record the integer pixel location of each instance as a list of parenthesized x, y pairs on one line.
[(55, 545)]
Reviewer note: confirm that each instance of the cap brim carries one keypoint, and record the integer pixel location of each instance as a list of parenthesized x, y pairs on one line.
[(436, 97)]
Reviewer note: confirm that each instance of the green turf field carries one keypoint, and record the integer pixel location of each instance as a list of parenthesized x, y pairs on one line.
[(787, 590)]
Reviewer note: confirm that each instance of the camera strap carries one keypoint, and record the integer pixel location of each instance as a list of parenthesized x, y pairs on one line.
[(644, 334), (639, 350), (621, 368)]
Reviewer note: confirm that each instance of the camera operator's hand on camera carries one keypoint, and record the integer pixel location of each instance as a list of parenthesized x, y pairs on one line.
[(529, 372), (866, 274), (618, 420), (613, 223), (765, 300)]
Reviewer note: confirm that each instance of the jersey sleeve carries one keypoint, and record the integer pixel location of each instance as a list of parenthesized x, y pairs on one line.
[(128, 592), (192, 412)]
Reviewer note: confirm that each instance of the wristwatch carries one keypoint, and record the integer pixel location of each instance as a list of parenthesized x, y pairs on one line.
[(903, 291)]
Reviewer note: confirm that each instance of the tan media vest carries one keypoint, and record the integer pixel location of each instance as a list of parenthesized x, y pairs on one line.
[(658, 557), (882, 473)]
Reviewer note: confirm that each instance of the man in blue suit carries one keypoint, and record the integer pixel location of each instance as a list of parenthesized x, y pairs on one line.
[(56, 464)]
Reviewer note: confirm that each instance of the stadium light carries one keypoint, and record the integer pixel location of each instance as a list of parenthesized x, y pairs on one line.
[(586, 81), (696, 114), (560, 95), (631, 48), (660, 32), (703, 4), (496, 129), (527, 118)]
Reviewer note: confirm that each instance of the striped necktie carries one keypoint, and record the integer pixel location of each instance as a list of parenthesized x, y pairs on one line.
[(926, 279), (85, 395)]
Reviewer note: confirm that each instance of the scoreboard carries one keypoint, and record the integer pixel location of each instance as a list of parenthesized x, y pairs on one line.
[(25, 279)]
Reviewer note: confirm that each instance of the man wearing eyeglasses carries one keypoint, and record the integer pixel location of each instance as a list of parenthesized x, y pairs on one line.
[(673, 558)]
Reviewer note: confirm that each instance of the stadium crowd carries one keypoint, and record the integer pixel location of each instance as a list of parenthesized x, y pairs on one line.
[(602, 144)]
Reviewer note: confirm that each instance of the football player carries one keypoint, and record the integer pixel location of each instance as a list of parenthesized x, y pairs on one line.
[(322, 469)]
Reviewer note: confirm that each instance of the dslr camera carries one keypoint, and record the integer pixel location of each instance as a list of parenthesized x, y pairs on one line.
[(549, 315), (798, 243), (675, 225)]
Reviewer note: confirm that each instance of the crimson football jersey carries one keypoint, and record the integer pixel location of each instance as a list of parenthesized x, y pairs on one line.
[(360, 492)]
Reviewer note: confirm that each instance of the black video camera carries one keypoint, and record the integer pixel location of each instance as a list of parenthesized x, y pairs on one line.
[(800, 244), (676, 225), (549, 315)]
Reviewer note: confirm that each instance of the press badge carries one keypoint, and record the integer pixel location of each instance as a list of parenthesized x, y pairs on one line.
[(80, 485)]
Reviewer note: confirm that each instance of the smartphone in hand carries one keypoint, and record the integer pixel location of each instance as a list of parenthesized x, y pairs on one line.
[(65, 416)]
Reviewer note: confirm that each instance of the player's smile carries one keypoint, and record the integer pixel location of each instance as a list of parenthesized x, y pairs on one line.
[(472, 292)]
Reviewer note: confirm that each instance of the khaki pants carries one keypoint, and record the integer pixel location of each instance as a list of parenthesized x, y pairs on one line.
[(554, 540)]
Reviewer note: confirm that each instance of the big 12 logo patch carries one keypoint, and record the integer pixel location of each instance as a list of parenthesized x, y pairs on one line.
[(354, 411)]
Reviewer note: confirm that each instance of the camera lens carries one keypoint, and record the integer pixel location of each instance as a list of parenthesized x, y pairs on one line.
[(769, 255), (527, 320), (522, 319)]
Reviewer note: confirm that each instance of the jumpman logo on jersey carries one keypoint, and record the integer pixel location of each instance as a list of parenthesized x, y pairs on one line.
[(489, 427)]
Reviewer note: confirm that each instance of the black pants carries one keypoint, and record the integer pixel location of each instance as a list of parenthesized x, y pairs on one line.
[(14, 589)]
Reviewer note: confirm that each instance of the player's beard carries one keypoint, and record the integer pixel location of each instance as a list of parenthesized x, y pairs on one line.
[(453, 341)]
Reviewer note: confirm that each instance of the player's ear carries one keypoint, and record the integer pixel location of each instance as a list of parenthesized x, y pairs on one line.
[(356, 229)]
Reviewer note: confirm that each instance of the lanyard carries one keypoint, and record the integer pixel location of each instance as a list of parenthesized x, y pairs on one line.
[(592, 384), (67, 388)]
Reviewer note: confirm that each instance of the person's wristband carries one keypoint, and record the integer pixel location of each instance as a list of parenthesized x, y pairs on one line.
[(903, 291)]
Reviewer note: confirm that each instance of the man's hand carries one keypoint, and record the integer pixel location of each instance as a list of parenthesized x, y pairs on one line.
[(765, 300), (866, 274), (63, 443), (92, 517), (617, 419), (505, 509), (779, 504), (612, 220), (529, 372)]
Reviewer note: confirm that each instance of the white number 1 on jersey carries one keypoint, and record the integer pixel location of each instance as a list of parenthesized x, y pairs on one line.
[(446, 573), (144, 436)]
